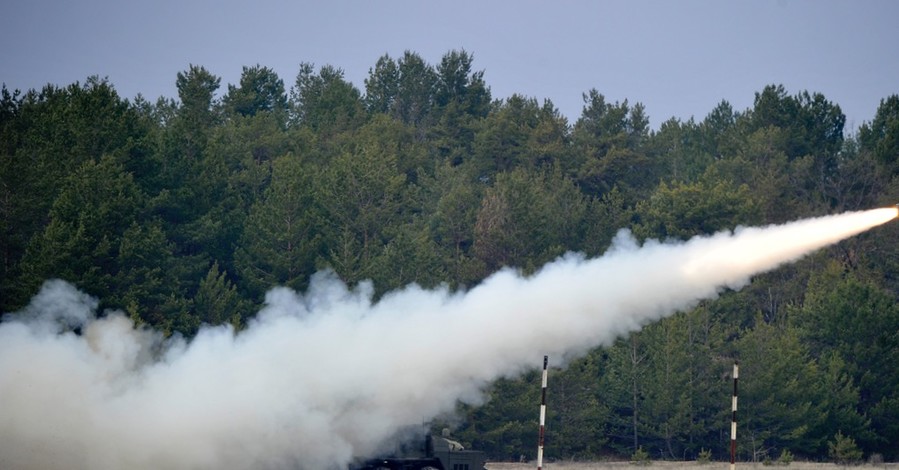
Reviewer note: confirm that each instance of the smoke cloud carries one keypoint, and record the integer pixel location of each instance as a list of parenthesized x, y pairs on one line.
[(322, 376)]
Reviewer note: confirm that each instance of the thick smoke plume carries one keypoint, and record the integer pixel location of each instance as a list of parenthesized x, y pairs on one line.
[(324, 376)]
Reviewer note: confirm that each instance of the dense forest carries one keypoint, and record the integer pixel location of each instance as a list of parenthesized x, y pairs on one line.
[(184, 212)]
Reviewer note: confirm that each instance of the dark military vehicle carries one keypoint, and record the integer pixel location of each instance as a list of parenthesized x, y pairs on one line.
[(440, 453)]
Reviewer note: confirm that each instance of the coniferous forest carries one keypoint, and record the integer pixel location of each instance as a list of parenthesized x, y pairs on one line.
[(185, 211)]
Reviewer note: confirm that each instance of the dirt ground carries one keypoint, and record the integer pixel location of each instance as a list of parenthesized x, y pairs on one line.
[(680, 466)]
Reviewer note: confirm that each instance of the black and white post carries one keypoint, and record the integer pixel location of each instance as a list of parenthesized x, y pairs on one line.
[(542, 417), (733, 421)]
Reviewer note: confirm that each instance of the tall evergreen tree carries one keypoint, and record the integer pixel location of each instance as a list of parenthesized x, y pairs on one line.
[(217, 300), (260, 90), (608, 149), (519, 133), (778, 382), (81, 243), (682, 211), (881, 135), (860, 323), (382, 86), (325, 102), (281, 239), (528, 219), (196, 115), (363, 195), (415, 96)]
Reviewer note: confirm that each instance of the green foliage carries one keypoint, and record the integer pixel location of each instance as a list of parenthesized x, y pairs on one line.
[(451, 201), (675, 413), (854, 326), (843, 450), (813, 125), (458, 89), (217, 301), (520, 134), (622, 385), (704, 457), (325, 102), (881, 135), (196, 90), (577, 414), (81, 242), (260, 91), (147, 275), (382, 86), (417, 83), (786, 457), (364, 197), (510, 408), (682, 211), (783, 391), (280, 240), (47, 136), (527, 219), (185, 211), (681, 150), (607, 140), (641, 457)]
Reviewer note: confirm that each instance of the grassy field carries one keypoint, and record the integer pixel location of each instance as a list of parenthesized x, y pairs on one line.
[(679, 466)]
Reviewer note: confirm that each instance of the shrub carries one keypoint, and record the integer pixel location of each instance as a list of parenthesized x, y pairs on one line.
[(640, 457), (786, 458), (875, 459), (843, 450), (705, 456)]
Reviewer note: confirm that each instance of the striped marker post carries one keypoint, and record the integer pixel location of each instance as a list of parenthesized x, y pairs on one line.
[(542, 417), (733, 421)]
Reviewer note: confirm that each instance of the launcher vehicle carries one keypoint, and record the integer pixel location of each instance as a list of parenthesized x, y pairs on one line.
[(440, 453)]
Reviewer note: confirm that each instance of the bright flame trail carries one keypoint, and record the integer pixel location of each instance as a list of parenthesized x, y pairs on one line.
[(321, 377)]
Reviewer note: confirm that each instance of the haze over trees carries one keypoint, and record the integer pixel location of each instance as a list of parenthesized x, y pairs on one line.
[(184, 212)]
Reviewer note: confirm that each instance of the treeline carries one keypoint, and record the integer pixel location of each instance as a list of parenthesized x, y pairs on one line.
[(185, 212)]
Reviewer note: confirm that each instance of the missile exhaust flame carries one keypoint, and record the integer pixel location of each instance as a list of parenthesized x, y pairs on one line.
[(323, 376)]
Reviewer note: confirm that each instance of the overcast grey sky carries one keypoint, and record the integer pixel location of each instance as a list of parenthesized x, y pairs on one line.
[(678, 58)]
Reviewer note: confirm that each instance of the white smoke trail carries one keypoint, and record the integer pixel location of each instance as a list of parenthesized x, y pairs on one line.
[(321, 377)]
